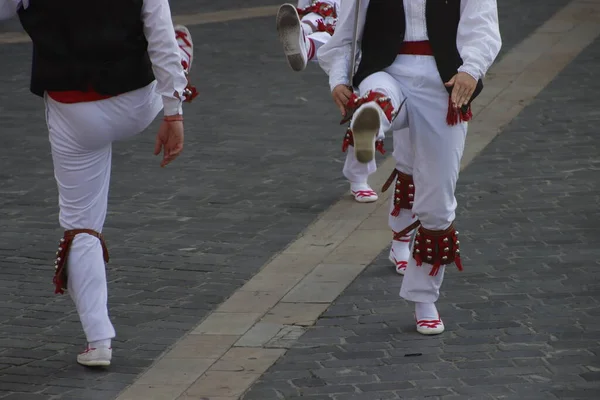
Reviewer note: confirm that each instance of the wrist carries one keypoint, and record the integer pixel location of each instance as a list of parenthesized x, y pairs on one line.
[(469, 70), (172, 106), (173, 118)]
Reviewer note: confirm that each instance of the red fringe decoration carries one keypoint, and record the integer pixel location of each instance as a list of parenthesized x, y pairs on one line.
[(349, 141), (437, 248), (436, 269), (354, 102), (456, 115), (418, 259), (404, 191), (323, 27), (323, 9), (379, 146)]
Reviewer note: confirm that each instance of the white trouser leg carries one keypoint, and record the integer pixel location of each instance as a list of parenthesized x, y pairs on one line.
[(356, 172), (404, 156), (316, 40), (81, 137), (385, 83), (438, 150), (310, 23)]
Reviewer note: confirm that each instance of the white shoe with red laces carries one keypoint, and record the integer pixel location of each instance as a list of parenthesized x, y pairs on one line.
[(291, 35), (400, 252), (430, 326), (95, 357), (363, 193)]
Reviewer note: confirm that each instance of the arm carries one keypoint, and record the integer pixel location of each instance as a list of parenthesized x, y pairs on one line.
[(9, 8), (334, 56), (478, 38), (164, 54)]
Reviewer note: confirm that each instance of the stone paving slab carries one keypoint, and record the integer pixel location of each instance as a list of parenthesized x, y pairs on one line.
[(522, 319)]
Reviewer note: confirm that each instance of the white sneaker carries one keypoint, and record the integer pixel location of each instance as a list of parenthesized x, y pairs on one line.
[(363, 193), (291, 35), (184, 40), (430, 327), (365, 128), (95, 357)]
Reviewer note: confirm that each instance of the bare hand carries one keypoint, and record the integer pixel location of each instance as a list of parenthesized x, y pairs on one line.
[(463, 85), (341, 94), (169, 139)]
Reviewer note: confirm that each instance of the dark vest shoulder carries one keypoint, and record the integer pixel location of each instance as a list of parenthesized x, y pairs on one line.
[(384, 32), (83, 45)]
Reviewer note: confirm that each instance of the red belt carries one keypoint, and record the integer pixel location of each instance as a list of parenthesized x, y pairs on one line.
[(74, 96), (422, 48)]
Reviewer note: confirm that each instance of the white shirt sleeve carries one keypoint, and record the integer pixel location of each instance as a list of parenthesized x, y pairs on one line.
[(164, 54), (478, 39), (9, 8), (335, 55)]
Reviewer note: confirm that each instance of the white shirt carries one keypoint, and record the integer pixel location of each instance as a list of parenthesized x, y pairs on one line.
[(162, 48), (478, 37)]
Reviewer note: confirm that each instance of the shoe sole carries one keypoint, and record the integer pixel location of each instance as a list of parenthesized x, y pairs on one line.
[(365, 129), (290, 32), (431, 332), (97, 363)]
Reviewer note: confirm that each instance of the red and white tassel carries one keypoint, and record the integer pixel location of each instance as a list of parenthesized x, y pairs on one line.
[(456, 115)]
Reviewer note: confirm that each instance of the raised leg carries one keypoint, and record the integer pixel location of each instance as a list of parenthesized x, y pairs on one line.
[(373, 112)]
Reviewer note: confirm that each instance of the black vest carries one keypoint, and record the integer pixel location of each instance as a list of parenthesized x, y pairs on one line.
[(87, 45), (384, 31)]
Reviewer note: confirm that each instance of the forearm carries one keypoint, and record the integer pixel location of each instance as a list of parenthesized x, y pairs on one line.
[(478, 38), (164, 54), (9, 8), (336, 55)]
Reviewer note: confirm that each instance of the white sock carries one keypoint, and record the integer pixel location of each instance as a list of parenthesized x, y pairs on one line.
[(355, 187), (426, 311), (106, 343)]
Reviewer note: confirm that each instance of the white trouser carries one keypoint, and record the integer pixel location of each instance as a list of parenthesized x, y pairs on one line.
[(357, 172), (81, 137), (431, 152), (317, 40)]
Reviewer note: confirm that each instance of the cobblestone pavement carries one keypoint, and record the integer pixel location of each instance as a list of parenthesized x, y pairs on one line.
[(182, 239), (522, 320)]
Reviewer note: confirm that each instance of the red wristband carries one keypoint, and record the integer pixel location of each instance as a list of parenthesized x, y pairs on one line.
[(173, 118)]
